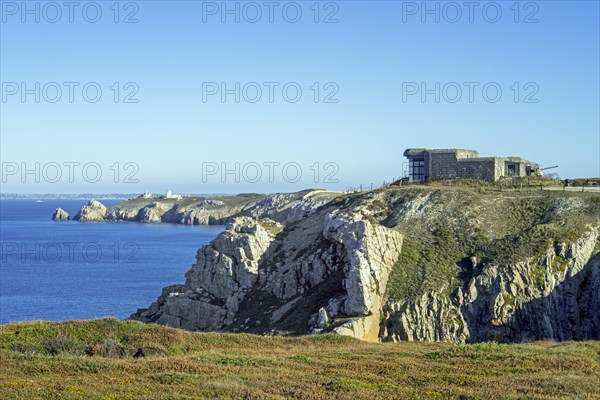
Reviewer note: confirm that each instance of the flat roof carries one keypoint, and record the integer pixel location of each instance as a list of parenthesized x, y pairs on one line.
[(419, 151), (414, 152)]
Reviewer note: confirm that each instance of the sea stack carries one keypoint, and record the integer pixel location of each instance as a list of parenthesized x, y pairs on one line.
[(60, 215)]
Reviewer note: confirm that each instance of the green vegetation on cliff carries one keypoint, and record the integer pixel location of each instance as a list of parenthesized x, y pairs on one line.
[(43, 360), (456, 226)]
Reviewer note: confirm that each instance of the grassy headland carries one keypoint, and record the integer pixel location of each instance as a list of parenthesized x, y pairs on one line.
[(43, 360)]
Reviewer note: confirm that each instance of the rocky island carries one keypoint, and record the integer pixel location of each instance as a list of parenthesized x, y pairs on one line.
[(60, 215)]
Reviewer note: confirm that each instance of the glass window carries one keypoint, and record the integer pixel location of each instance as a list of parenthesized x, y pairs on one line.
[(416, 170)]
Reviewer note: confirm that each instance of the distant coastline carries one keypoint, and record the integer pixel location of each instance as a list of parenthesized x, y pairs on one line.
[(81, 196)]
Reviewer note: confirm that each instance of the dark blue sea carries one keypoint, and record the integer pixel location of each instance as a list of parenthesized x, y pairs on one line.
[(73, 270)]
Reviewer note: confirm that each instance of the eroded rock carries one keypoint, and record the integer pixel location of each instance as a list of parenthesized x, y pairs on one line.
[(93, 212), (60, 215), (328, 268)]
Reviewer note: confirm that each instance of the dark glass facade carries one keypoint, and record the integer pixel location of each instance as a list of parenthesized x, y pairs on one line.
[(416, 169)]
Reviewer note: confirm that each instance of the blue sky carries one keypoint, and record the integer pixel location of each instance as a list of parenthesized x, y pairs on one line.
[(367, 61)]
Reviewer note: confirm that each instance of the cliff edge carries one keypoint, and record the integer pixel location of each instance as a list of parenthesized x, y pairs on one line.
[(420, 264)]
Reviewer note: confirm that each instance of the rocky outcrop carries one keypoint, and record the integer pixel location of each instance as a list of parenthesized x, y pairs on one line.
[(492, 267), (551, 295), (353, 255), (60, 215), (152, 212), (216, 285), (284, 208), (525, 301), (371, 251), (93, 212)]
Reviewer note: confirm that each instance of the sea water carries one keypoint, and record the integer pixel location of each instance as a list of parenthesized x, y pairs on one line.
[(52, 270)]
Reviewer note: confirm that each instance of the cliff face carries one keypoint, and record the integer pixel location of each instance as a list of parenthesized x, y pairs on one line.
[(452, 265), (93, 212), (524, 301), (216, 285)]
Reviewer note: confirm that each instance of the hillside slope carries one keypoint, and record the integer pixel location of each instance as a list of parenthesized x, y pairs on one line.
[(43, 360), (444, 264)]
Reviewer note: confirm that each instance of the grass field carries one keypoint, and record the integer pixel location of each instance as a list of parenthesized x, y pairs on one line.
[(42, 360)]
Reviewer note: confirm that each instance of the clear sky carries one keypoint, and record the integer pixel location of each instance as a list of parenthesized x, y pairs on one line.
[(371, 61)]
